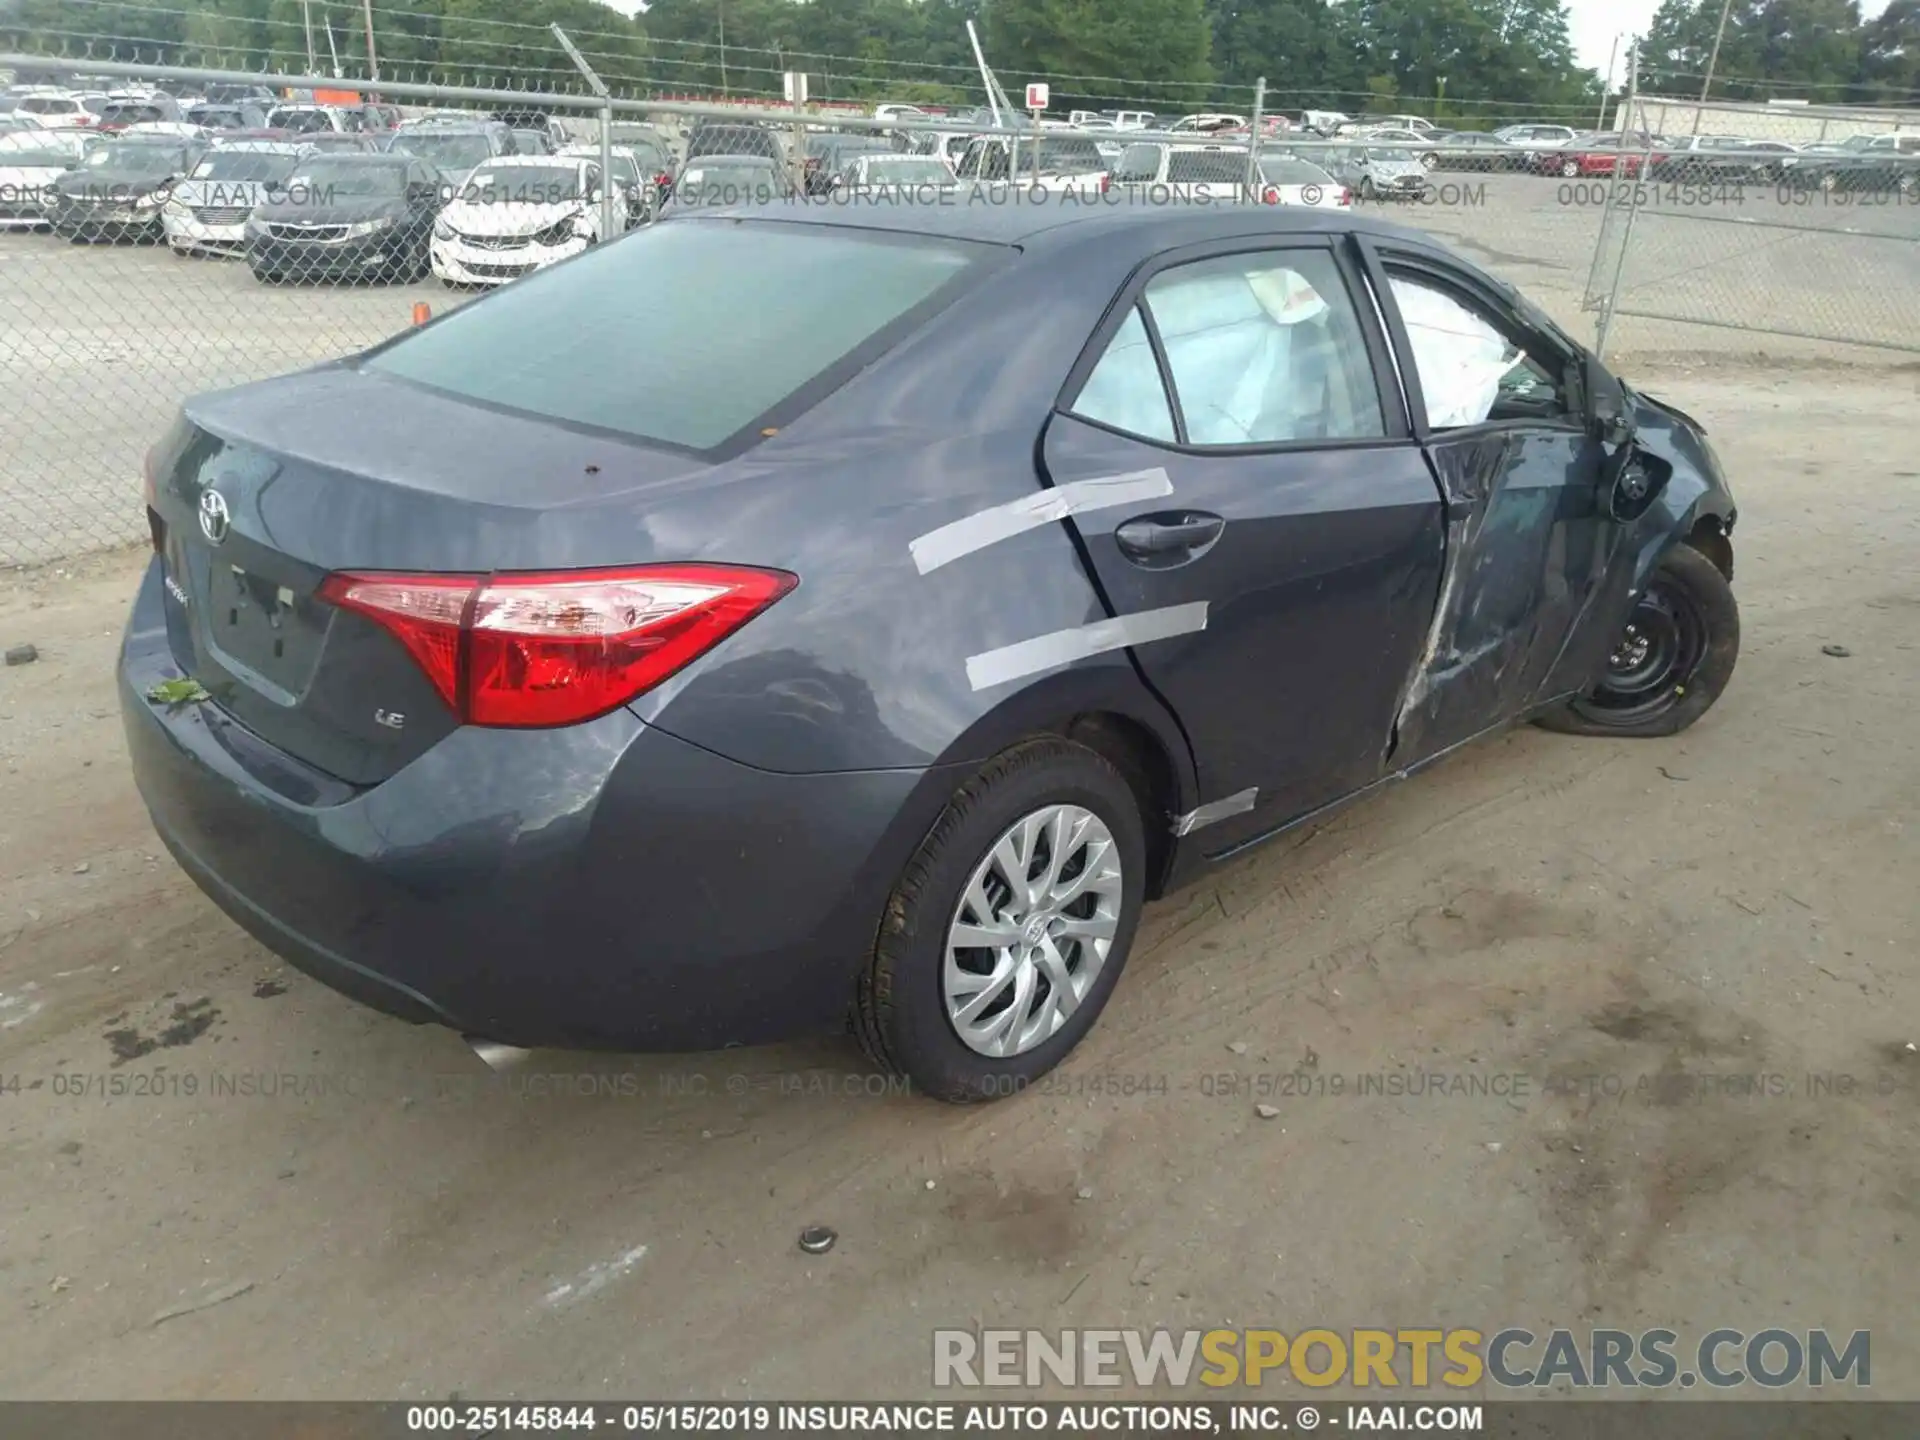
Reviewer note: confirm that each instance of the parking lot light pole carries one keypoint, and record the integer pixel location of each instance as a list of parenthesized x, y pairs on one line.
[(599, 87), (1713, 58)]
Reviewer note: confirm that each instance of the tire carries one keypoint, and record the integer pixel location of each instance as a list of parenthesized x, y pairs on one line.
[(901, 1007), (1687, 624), (1570, 169), (1367, 189)]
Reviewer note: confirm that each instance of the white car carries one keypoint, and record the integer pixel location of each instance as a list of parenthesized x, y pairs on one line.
[(1069, 162), (30, 161), (899, 112), (73, 110), (516, 214), (1161, 173), (904, 177), (207, 212), (13, 120), (1207, 123)]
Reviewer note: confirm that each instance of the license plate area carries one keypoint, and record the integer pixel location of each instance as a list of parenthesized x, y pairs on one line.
[(255, 624)]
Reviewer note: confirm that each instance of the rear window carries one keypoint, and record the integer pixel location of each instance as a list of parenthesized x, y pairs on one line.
[(1220, 167), (627, 338)]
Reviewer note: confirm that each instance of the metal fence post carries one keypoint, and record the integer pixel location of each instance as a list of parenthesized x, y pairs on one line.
[(1253, 135), (606, 130), (1633, 205)]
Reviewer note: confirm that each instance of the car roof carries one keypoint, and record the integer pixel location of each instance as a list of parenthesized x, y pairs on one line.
[(562, 161)]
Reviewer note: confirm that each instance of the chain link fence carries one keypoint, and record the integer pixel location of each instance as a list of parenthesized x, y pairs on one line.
[(140, 269)]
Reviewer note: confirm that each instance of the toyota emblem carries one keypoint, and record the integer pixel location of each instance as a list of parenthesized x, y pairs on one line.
[(214, 519)]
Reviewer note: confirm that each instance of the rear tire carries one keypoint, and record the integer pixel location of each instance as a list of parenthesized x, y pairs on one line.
[(1671, 662), (917, 982)]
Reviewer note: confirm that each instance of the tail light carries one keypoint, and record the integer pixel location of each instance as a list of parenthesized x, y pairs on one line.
[(1106, 182), (1270, 197), (1344, 197), (556, 649)]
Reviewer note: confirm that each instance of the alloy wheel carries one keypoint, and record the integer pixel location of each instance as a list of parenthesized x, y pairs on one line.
[(1032, 930)]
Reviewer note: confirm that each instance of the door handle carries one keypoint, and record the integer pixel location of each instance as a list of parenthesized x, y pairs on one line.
[(1162, 537)]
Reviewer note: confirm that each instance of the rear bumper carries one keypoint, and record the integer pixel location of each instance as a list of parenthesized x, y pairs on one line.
[(601, 886)]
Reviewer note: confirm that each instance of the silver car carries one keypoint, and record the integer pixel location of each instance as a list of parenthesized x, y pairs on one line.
[(1380, 172), (207, 212)]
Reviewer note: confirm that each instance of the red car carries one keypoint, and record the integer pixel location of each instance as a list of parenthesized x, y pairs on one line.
[(1601, 156)]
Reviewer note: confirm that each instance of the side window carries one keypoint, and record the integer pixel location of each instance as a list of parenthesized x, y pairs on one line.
[(1125, 389), (1265, 349), (1471, 369)]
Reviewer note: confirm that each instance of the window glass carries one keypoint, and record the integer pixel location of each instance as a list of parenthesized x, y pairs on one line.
[(1470, 371), (1125, 390), (626, 338), (1265, 349), (1139, 162)]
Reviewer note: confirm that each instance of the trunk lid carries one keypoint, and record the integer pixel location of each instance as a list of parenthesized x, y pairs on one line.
[(368, 473)]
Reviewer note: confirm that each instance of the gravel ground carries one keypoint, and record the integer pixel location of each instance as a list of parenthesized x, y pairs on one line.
[(381, 1216)]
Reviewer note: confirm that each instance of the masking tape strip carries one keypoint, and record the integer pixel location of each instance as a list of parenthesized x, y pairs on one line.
[(1063, 647), (1003, 522), (1208, 814)]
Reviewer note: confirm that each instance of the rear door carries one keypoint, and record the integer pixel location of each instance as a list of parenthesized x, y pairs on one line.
[(1529, 552), (1242, 467)]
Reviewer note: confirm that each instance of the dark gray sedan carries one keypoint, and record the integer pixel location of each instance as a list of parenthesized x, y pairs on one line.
[(796, 617)]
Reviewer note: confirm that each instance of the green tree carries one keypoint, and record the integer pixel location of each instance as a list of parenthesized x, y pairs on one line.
[(1153, 51)]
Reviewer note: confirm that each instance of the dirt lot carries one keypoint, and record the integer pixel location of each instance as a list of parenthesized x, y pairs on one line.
[(1738, 902)]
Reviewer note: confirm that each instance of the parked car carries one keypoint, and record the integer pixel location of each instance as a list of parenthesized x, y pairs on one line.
[(301, 119), (828, 155), (1624, 155), (1296, 181), (207, 212), (237, 116), (337, 142), (727, 139), (65, 111), (30, 162), (551, 130), (1398, 137), (118, 115), (899, 112), (1477, 151), (1207, 123), (595, 666), (452, 148), (1722, 159), (1862, 163), (1379, 172), (1131, 119), (1059, 162), (347, 217), (517, 215), (118, 189), (717, 180), (885, 175), (635, 177), (12, 122), (1538, 145)]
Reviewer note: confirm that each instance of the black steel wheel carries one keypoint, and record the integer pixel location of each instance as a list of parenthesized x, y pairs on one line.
[(1671, 660)]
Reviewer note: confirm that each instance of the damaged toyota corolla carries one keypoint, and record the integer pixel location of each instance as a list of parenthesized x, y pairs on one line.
[(607, 664)]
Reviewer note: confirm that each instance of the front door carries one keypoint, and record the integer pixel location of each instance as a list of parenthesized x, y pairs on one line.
[(1240, 463), (1528, 547)]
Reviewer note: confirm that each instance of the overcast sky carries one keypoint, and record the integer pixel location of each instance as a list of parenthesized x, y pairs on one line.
[(1594, 23)]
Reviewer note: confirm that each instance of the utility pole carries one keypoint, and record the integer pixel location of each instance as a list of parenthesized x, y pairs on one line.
[(1713, 58), (306, 19), (373, 61), (724, 92)]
